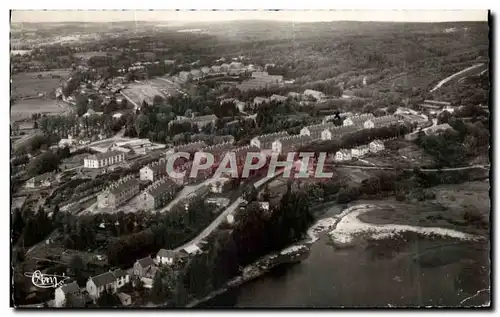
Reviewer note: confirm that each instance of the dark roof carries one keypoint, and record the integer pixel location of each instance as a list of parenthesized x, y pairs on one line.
[(126, 184), (101, 156), (161, 187), (70, 288), (166, 253), (271, 136), (103, 279), (119, 273), (145, 262)]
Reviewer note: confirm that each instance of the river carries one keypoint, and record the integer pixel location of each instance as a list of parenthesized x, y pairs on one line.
[(381, 274)]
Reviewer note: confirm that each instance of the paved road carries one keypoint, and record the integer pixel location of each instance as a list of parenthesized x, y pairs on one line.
[(487, 166), (208, 230), (447, 79), (185, 192)]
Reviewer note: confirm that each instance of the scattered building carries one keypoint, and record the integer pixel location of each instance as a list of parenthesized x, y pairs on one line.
[(192, 250), (314, 94), (218, 150), (360, 151), (145, 267), (257, 101), (44, 180), (68, 292), (110, 281), (100, 160), (343, 155), (118, 193), (376, 146), (167, 257)]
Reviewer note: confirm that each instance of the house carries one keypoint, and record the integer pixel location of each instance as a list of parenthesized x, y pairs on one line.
[(118, 193), (358, 120), (220, 202), (103, 159), (264, 141), (192, 250), (145, 267), (378, 122), (376, 146), (200, 121), (185, 76), (240, 105), (44, 180), (257, 101), (117, 115), (205, 70), (67, 142), (338, 132), (360, 151), (437, 129), (158, 194), (110, 281), (167, 257), (420, 120), (125, 299), (216, 69), (290, 143), (294, 95), (196, 74), (153, 171), (224, 67), (278, 98), (314, 131), (314, 94), (343, 155), (71, 291)]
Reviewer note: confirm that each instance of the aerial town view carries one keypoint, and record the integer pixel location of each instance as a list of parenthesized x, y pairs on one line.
[(163, 159)]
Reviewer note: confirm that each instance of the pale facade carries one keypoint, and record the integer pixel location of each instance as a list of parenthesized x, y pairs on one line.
[(103, 159)]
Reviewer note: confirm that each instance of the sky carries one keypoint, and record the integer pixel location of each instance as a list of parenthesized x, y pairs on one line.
[(207, 16)]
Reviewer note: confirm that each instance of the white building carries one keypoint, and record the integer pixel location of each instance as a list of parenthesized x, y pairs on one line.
[(166, 257), (378, 122), (109, 281), (376, 146), (265, 141), (360, 151), (358, 120), (67, 290), (343, 155), (103, 159), (317, 95)]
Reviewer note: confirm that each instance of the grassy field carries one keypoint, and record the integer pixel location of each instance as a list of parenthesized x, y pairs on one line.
[(29, 85), (145, 91), (24, 108), (447, 210)]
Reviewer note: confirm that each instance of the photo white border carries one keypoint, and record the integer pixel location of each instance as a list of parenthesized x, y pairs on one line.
[(190, 4)]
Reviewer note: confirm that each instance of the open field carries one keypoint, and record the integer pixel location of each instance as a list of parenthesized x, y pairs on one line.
[(143, 91), (29, 85), (453, 208), (22, 109)]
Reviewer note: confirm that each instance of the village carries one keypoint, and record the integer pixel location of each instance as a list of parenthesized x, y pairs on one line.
[(106, 184)]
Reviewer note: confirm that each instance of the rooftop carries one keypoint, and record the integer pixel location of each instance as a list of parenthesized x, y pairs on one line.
[(163, 185), (145, 262), (105, 155)]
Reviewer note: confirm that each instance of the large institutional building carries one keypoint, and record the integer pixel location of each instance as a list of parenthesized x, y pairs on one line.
[(103, 159)]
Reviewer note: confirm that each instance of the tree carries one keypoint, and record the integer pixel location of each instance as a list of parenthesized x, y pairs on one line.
[(45, 162), (444, 117), (142, 125), (77, 267), (81, 105)]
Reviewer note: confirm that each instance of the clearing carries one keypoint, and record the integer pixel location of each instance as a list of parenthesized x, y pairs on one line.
[(35, 84), (23, 109)]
